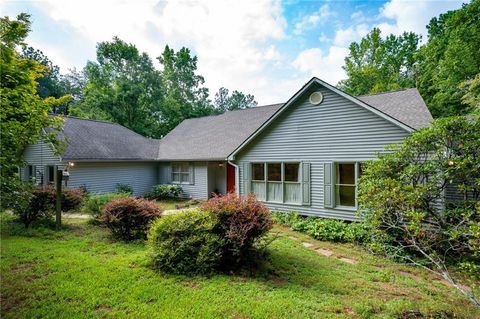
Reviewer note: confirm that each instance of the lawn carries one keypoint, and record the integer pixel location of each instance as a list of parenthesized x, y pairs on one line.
[(169, 204), (81, 272)]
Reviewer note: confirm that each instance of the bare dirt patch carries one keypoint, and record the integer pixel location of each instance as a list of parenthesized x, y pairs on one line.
[(348, 260), (306, 244), (324, 252), (22, 267)]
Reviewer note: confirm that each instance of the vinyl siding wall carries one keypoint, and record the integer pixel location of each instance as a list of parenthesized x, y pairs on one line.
[(335, 130), (102, 177), (197, 190), (40, 155)]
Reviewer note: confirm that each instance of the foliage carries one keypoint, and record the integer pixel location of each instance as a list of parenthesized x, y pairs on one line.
[(130, 218), (123, 86), (95, 203), (377, 65), (17, 196), (46, 197), (124, 189), (186, 243), (450, 57), (185, 95), (236, 101), (164, 192), (23, 113), (399, 195), (471, 96), (325, 229), (242, 222)]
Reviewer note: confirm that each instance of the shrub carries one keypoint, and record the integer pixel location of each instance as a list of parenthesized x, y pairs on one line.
[(326, 229), (123, 189), (72, 198), (129, 218), (46, 198), (164, 192), (95, 203), (185, 243), (242, 221), (17, 196)]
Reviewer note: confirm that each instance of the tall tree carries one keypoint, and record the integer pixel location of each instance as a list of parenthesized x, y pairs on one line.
[(237, 100), (450, 57), (23, 113), (185, 95), (377, 65), (123, 86)]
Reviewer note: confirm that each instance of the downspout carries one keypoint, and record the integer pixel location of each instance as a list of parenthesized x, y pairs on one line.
[(237, 177)]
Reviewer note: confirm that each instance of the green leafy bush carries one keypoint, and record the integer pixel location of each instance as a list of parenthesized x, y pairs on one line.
[(242, 221), (186, 243), (17, 196), (325, 229), (124, 189), (164, 191), (45, 198), (95, 203), (129, 218)]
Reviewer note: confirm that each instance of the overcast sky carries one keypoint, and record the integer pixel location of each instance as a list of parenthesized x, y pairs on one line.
[(266, 48)]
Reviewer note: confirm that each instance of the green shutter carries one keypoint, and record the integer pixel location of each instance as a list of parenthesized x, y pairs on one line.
[(306, 183), (34, 172), (168, 173), (191, 168), (246, 178), (328, 185)]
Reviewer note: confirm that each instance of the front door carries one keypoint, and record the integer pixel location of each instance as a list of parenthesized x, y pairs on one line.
[(230, 178)]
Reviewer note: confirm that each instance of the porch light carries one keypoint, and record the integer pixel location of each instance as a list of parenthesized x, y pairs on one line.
[(71, 164), (220, 165)]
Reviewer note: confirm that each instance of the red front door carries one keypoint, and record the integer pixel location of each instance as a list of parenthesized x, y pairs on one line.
[(230, 178)]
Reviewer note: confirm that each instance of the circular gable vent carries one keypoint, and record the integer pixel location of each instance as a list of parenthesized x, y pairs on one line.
[(316, 98)]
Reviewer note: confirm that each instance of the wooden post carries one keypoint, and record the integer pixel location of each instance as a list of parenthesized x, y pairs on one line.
[(58, 204)]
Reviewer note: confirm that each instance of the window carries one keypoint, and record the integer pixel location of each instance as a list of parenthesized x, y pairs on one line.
[(50, 174), (277, 182), (181, 173), (30, 172), (345, 184), (258, 172)]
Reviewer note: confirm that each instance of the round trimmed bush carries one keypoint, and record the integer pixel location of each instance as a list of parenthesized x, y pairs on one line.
[(242, 221), (129, 218), (185, 243)]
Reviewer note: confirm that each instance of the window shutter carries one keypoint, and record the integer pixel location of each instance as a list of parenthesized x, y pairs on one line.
[(168, 173), (191, 171), (34, 173), (328, 185), (306, 183), (246, 178)]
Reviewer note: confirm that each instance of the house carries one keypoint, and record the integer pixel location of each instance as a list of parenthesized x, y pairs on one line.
[(304, 155)]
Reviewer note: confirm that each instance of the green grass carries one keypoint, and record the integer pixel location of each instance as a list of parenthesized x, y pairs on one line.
[(80, 272), (168, 204)]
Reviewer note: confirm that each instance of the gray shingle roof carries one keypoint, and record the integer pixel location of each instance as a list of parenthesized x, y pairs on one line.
[(406, 106), (213, 137), (99, 140)]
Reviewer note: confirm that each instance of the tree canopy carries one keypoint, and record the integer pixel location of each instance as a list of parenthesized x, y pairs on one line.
[(224, 101), (378, 65), (24, 113)]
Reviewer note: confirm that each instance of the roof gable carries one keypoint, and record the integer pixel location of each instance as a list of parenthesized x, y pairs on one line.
[(308, 86)]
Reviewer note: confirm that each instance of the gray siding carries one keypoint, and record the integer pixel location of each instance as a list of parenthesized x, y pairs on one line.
[(102, 177), (39, 154), (335, 130), (199, 188)]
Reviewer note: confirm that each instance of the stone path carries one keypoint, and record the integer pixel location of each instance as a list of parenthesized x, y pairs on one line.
[(325, 252), (76, 215)]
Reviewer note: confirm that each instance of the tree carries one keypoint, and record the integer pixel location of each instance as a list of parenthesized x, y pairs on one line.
[(123, 86), (236, 101), (378, 65), (399, 196), (450, 57), (471, 93), (23, 114), (185, 96)]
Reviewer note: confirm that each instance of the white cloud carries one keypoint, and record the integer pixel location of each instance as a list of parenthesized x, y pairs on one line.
[(323, 37), (232, 39), (343, 37), (310, 21), (413, 15), (328, 67)]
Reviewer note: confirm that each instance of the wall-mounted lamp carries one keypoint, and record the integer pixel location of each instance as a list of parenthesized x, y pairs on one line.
[(220, 165), (71, 164)]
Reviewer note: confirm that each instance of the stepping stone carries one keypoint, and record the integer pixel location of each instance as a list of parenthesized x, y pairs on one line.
[(293, 238), (325, 252), (308, 245), (348, 260)]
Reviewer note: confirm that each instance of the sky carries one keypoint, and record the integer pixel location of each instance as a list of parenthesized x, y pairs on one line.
[(267, 48)]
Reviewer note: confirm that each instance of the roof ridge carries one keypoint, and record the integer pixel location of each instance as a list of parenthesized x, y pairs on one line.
[(237, 110), (85, 119), (387, 92)]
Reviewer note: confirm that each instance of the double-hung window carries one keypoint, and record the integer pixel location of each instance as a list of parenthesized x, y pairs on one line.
[(277, 182), (346, 176), (181, 173)]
